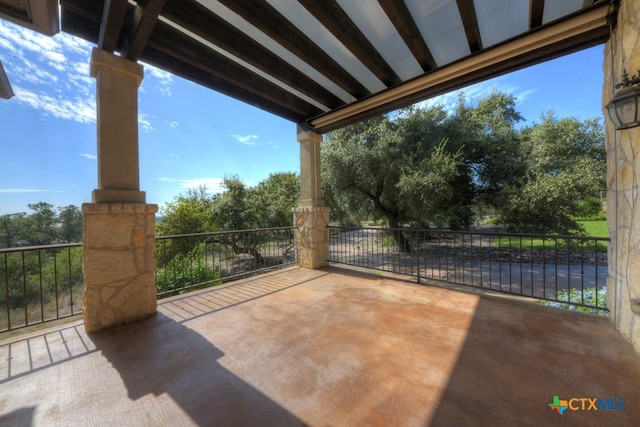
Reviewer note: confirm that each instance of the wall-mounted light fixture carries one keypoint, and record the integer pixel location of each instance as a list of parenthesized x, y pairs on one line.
[(624, 108)]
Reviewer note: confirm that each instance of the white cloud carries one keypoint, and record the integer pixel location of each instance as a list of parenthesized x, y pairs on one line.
[(476, 92), (249, 140), (51, 74), (79, 110), (213, 185), (162, 79), (25, 190), (144, 123), (174, 124), (89, 156)]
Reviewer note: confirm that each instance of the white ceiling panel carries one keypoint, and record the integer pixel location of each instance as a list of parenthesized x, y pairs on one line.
[(440, 24), (376, 26), (513, 16)]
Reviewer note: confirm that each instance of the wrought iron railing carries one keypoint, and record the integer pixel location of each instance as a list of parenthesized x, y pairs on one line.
[(44, 283), (39, 284), (196, 260), (566, 271)]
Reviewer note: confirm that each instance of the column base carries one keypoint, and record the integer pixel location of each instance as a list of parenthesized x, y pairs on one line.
[(311, 236), (118, 196), (118, 248)]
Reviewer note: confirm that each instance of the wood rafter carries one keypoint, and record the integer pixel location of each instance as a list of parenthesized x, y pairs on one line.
[(189, 39), (470, 22), (267, 19), (111, 24), (331, 15), (401, 18), (199, 20), (144, 19), (236, 81), (536, 11)]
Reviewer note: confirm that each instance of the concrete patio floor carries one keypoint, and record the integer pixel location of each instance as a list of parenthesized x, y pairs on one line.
[(333, 347)]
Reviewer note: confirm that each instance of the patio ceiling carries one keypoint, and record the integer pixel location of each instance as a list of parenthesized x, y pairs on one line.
[(333, 62)]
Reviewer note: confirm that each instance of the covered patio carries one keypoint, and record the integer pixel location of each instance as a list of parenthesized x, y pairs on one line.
[(325, 347), (322, 345)]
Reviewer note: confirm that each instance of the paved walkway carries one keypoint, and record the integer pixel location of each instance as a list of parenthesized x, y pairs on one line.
[(325, 348)]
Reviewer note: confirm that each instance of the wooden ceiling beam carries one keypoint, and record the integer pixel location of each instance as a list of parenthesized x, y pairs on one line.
[(144, 19), (267, 19), (536, 11), (227, 76), (199, 20), (6, 92), (334, 19), (470, 22), (568, 36), (111, 23), (401, 18), (198, 76)]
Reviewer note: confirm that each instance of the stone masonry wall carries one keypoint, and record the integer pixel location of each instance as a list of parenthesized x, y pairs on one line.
[(312, 242), (623, 170), (119, 263)]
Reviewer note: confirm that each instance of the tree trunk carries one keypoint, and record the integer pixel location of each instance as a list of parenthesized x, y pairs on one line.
[(249, 251), (403, 244)]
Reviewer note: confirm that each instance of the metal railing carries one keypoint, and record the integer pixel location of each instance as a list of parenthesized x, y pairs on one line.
[(197, 260), (565, 271), (39, 284), (43, 283)]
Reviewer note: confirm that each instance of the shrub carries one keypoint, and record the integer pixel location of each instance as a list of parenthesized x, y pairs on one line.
[(573, 297), (187, 270)]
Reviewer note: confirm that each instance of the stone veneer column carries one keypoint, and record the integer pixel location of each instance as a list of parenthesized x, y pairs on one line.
[(119, 227), (118, 263), (311, 217), (622, 51)]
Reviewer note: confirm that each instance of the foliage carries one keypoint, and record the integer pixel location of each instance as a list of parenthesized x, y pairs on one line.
[(589, 297), (70, 223), (37, 275), (565, 165), (590, 208), (41, 227), (538, 179), (187, 213), (273, 199), (400, 166), (187, 270), (41, 224)]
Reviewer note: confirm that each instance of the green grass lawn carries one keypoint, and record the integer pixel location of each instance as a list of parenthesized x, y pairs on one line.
[(595, 228)]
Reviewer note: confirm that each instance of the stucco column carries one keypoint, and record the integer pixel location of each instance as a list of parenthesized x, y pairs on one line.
[(117, 81), (311, 217), (118, 241), (622, 51)]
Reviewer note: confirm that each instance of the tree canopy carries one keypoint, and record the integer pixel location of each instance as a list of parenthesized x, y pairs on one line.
[(429, 167)]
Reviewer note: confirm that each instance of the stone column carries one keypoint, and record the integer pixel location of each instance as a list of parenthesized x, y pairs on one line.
[(119, 264), (119, 227), (311, 217), (622, 51)]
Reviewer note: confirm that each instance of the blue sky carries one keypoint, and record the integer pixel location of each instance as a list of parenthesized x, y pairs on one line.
[(190, 135)]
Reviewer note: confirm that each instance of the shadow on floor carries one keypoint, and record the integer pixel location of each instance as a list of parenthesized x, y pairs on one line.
[(159, 355)]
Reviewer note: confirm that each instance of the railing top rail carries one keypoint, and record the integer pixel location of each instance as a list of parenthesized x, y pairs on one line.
[(41, 247), (216, 233), (480, 233)]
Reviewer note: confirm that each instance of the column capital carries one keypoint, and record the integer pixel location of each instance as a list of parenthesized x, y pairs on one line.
[(307, 135), (103, 59)]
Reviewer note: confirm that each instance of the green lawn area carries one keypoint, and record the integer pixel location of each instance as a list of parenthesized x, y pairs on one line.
[(595, 228)]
